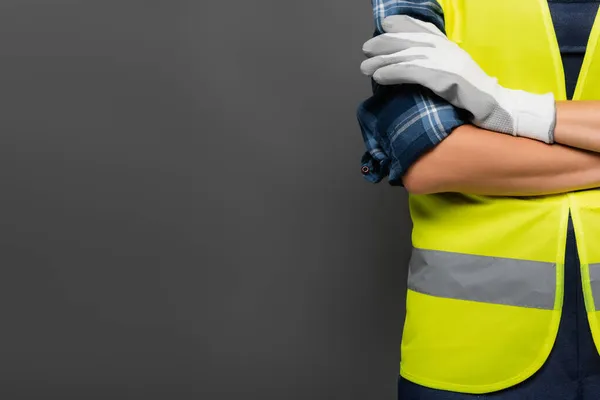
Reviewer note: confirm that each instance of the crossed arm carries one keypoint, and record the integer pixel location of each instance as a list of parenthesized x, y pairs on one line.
[(476, 161)]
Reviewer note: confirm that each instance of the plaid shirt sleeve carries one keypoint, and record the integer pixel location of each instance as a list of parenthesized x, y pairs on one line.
[(401, 123)]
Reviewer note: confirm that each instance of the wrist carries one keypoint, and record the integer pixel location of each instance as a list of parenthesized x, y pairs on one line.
[(534, 115)]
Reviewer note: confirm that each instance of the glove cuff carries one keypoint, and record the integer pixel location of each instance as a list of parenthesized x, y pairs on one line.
[(535, 115)]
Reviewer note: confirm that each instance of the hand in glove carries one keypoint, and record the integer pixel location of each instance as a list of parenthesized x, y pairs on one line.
[(417, 52)]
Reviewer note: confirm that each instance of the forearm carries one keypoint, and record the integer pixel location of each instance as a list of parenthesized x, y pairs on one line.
[(476, 161), (578, 124)]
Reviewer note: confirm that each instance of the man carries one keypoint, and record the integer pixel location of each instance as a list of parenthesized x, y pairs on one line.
[(470, 114)]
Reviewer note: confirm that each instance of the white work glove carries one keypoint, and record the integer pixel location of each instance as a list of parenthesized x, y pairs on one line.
[(417, 52)]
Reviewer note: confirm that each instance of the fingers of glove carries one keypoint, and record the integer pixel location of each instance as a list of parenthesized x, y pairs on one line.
[(451, 87), (407, 24), (419, 72), (390, 43), (371, 65)]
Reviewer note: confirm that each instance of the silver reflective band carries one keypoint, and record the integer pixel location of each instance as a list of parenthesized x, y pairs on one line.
[(484, 279), (595, 282)]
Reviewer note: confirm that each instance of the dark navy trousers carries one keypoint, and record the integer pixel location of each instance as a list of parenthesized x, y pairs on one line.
[(572, 371)]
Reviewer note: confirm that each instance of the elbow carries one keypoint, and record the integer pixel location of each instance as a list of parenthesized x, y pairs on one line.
[(422, 179), (447, 167), (415, 183)]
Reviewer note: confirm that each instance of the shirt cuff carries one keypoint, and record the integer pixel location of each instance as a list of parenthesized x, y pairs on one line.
[(400, 124)]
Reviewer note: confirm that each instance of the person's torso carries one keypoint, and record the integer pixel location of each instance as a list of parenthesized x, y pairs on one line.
[(485, 284)]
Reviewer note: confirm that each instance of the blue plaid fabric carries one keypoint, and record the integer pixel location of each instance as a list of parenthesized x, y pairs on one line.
[(400, 123)]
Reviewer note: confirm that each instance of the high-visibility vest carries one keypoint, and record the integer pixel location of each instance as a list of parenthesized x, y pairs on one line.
[(486, 274)]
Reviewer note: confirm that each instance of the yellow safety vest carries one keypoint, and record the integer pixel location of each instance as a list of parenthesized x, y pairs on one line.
[(486, 274)]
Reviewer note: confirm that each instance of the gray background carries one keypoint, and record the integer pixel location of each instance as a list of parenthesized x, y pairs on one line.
[(182, 211)]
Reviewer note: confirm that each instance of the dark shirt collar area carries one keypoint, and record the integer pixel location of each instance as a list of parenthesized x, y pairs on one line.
[(573, 21)]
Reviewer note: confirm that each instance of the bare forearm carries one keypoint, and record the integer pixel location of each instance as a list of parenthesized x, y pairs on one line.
[(476, 161), (578, 124)]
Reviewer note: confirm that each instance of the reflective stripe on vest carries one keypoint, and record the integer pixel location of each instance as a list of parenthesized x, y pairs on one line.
[(594, 271), (486, 277)]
